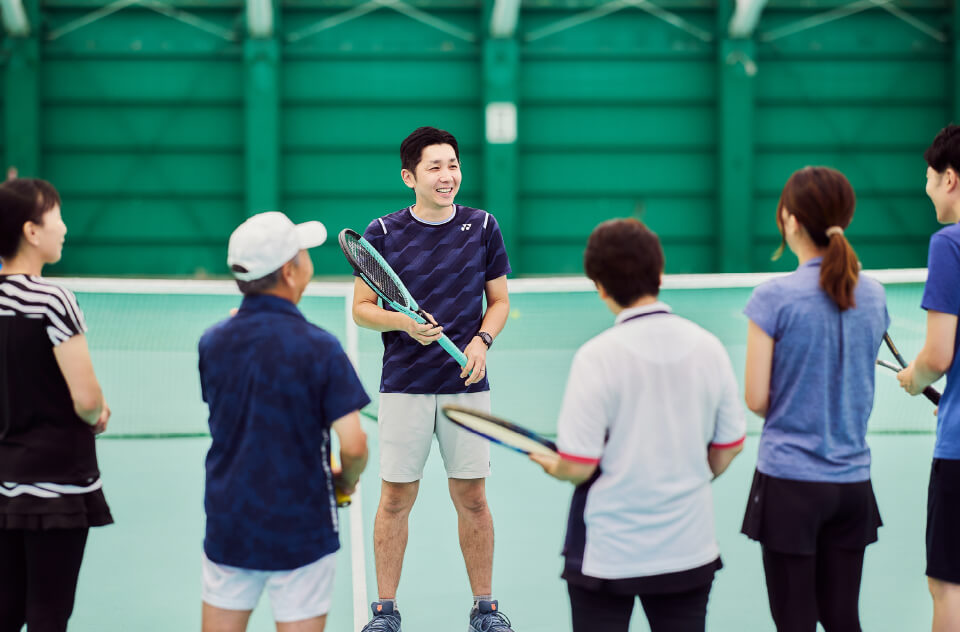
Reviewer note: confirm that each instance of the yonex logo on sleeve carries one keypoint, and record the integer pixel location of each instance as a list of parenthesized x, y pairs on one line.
[(464, 227)]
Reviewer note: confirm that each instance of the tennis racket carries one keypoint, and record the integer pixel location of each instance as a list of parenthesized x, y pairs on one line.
[(500, 431), (377, 273), (930, 393)]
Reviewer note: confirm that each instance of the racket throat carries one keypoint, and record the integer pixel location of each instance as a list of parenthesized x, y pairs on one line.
[(426, 318)]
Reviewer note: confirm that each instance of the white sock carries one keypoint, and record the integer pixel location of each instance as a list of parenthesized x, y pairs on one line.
[(478, 598)]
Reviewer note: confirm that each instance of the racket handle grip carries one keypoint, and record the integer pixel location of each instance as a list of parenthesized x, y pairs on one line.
[(932, 394), (451, 348), (343, 499)]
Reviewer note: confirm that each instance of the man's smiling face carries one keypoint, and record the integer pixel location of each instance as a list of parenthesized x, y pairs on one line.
[(437, 178)]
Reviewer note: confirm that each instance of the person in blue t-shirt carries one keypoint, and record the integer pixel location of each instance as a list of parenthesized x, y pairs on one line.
[(812, 342), (941, 299), (450, 257), (275, 384)]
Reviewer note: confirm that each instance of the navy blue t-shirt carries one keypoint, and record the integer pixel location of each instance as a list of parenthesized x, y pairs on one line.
[(274, 383), (941, 293), (444, 267)]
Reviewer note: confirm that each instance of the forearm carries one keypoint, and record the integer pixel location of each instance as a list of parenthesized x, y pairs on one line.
[(572, 472), (564, 469), (371, 316), (89, 409), (495, 318), (352, 466), (720, 458), (925, 369)]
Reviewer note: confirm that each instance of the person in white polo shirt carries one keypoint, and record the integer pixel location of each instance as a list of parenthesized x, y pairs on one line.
[(651, 414)]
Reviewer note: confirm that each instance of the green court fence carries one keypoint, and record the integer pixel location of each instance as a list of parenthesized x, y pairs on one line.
[(165, 123)]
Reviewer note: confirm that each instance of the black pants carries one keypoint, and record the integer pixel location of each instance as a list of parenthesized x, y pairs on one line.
[(38, 575), (804, 589), (669, 612)]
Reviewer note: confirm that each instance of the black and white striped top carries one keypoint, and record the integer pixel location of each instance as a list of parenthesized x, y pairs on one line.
[(34, 297), (27, 354)]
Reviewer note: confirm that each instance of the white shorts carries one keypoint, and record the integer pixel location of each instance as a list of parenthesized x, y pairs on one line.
[(295, 595), (408, 423)]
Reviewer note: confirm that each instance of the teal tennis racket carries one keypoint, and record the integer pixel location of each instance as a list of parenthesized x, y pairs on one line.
[(377, 273)]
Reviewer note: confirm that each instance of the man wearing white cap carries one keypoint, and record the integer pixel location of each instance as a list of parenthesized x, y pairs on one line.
[(275, 384)]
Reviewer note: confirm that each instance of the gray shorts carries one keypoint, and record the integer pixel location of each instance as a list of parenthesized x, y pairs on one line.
[(408, 423)]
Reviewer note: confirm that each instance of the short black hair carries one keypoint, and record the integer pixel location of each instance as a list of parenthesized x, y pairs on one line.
[(626, 258), (264, 283), (259, 286), (22, 200), (411, 149), (944, 151)]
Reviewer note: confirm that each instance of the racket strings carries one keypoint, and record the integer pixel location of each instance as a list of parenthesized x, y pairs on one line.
[(371, 268)]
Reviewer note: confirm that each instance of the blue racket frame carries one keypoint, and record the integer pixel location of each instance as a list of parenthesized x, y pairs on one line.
[(502, 423)]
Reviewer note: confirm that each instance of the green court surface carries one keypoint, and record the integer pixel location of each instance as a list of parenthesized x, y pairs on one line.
[(143, 573)]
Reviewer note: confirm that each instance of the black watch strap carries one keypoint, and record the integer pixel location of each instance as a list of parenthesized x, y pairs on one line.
[(486, 338)]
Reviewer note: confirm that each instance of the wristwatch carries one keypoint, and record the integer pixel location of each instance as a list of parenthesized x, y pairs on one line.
[(486, 338)]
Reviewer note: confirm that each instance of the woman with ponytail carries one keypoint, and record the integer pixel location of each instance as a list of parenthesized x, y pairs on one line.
[(812, 342)]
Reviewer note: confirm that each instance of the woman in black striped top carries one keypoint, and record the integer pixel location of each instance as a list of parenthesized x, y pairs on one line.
[(51, 406)]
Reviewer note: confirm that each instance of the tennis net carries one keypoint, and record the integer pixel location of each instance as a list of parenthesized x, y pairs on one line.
[(143, 338)]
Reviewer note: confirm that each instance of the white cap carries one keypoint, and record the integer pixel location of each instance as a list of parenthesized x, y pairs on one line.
[(266, 241)]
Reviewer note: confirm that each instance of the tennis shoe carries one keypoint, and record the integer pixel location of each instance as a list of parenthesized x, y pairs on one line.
[(486, 617), (385, 618)]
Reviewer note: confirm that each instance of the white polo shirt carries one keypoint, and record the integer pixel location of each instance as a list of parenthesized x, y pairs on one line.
[(645, 399)]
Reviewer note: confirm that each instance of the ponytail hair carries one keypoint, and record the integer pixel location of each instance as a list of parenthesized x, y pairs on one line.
[(840, 271), (823, 201)]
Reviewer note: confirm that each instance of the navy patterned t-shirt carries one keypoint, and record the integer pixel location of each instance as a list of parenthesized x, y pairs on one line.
[(274, 383), (445, 267)]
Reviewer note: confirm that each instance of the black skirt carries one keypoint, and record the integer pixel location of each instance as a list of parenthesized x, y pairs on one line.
[(795, 516), (664, 583), (68, 511)]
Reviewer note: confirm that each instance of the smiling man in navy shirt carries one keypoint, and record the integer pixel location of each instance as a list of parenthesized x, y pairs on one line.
[(276, 384), (450, 257)]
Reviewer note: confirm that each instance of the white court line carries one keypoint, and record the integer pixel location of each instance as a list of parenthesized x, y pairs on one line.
[(358, 562), (358, 556)]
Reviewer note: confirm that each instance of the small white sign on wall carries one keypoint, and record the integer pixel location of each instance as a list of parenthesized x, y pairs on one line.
[(501, 122)]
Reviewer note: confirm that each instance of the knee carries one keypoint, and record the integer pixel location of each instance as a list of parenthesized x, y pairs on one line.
[(470, 498), (397, 498)]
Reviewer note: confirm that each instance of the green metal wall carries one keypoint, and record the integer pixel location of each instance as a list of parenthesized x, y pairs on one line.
[(163, 130), (864, 94)]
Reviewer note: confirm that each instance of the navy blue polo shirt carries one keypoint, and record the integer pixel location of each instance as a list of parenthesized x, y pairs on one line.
[(274, 384)]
